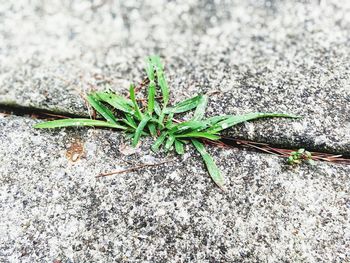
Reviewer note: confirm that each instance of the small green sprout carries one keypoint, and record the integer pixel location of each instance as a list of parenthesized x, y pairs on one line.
[(297, 157), (156, 119)]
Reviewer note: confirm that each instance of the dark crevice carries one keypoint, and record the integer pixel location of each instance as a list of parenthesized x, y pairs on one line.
[(229, 140), (37, 113), (275, 148)]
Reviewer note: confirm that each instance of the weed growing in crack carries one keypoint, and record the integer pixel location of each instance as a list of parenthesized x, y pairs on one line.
[(297, 157), (156, 119)]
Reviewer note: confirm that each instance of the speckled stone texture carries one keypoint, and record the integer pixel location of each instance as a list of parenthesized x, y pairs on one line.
[(280, 56), (275, 56), (54, 209)]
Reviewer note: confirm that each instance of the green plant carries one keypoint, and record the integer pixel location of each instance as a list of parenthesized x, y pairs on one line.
[(297, 157), (157, 118)]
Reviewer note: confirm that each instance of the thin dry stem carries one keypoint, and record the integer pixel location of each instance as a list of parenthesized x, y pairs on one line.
[(285, 153), (133, 168)]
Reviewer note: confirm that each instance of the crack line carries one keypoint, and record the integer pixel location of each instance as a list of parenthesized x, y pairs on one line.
[(225, 141)]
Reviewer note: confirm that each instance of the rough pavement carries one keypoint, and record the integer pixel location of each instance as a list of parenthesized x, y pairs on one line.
[(54, 209), (276, 56), (280, 56)]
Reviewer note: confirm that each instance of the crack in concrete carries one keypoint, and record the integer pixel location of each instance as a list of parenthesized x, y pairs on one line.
[(33, 112), (38, 113)]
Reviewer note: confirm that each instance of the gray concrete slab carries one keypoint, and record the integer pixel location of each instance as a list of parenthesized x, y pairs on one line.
[(285, 56), (55, 209)]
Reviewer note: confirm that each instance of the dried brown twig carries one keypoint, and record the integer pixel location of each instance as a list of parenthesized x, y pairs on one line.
[(281, 152), (133, 168)]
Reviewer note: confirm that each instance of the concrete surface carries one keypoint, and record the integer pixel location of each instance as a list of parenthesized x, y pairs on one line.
[(281, 56), (54, 209), (276, 56)]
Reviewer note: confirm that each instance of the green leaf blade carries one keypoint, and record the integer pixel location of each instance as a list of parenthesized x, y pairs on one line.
[(185, 105), (200, 110), (179, 147), (161, 79), (139, 130), (170, 141), (116, 101), (159, 142), (169, 123), (205, 135), (232, 120), (76, 123), (157, 108), (155, 60), (164, 88), (210, 164), (151, 97), (101, 109), (149, 69), (214, 120), (129, 120), (188, 125), (152, 129), (138, 112)]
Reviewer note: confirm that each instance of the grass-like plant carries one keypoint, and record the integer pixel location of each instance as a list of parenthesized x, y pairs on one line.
[(156, 118)]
